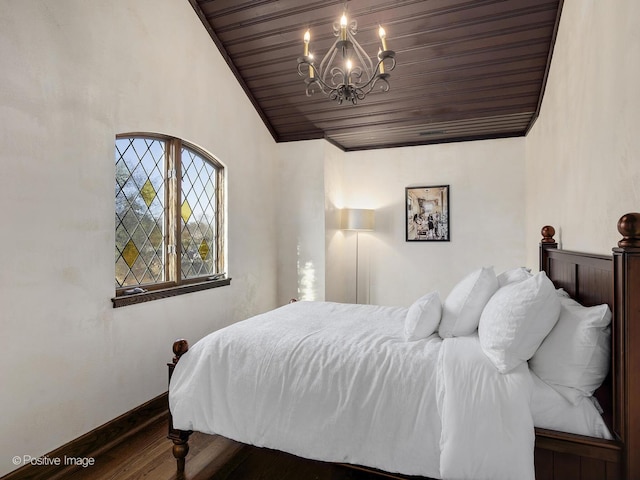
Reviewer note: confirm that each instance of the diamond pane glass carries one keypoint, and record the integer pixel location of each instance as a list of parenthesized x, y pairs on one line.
[(148, 193), (139, 191), (185, 211), (203, 250), (156, 237), (198, 215), (130, 253)]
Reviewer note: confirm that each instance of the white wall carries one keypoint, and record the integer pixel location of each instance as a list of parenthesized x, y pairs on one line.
[(486, 181), (74, 74), (300, 220), (487, 222), (336, 286), (583, 153)]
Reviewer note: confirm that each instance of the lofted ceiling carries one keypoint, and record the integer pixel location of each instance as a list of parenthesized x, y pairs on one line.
[(466, 69)]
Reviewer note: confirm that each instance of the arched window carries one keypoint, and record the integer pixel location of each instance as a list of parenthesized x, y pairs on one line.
[(169, 218)]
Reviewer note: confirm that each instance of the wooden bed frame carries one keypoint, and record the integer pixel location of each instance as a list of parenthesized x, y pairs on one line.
[(592, 280)]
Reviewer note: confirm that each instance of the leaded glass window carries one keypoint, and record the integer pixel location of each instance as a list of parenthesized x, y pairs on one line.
[(198, 216), (140, 219), (168, 218)]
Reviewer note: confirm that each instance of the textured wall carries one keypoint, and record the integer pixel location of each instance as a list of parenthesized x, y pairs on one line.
[(75, 73), (583, 153), (300, 220), (486, 207)]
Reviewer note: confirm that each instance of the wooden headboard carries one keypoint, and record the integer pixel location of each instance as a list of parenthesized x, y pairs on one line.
[(614, 280)]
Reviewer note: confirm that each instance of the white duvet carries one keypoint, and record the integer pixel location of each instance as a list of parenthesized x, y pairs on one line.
[(339, 383)]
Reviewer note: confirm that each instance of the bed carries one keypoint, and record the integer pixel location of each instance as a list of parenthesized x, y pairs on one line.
[(280, 404)]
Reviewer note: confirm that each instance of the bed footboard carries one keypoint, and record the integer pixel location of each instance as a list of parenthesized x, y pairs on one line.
[(180, 438), (560, 456)]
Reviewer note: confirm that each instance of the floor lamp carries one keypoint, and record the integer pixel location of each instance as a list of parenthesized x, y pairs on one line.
[(359, 220)]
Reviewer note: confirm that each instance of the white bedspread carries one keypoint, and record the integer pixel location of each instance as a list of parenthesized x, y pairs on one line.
[(485, 414), (339, 383)]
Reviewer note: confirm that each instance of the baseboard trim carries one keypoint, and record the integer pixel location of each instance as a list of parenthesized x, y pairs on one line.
[(91, 444)]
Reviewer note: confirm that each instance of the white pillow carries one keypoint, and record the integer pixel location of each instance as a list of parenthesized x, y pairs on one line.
[(423, 317), (513, 275), (550, 410), (517, 319), (574, 358), (463, 306)]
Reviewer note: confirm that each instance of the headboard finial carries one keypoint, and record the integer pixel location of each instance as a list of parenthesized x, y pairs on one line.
[(629, 228), (180, 347), (547, 234)]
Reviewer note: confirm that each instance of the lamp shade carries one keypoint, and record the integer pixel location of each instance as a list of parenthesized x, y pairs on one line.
[(357, 219)]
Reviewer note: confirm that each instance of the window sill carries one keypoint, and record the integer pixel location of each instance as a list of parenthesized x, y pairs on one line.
[(124, 300)]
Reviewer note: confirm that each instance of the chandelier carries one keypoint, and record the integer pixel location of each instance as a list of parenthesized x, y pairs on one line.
[(346, 73)]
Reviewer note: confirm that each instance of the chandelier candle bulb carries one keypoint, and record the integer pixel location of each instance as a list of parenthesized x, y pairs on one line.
[(307, 37), (343, 27), (311, 74), (383, 37), (381, 61)]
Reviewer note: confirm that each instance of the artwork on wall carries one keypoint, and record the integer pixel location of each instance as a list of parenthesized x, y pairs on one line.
[(427, 214)]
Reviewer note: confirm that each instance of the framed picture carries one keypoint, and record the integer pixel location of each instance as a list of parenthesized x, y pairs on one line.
[(427, 214)]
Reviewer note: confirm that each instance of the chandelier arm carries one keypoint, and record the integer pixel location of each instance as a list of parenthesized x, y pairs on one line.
[(301, 66), (309, 89), (385, 84), (315, 83), (324, 87), (363, 58), (304, 64), (328, 59), (333, 72), (338, 77), (389, 54), (353, 27), (336, 29), (369, 86), (357, 72)]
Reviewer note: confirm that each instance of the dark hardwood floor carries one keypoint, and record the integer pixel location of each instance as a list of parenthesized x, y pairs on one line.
[(147, 455)]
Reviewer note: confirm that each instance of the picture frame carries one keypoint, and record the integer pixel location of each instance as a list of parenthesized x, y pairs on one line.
[(427, 214)]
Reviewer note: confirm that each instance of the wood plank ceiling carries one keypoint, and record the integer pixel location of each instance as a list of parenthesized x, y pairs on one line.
[(466, 69)]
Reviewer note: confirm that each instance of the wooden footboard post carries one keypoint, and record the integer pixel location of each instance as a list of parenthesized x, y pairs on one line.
[(626, 337), (546, 243), (180, 438)]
